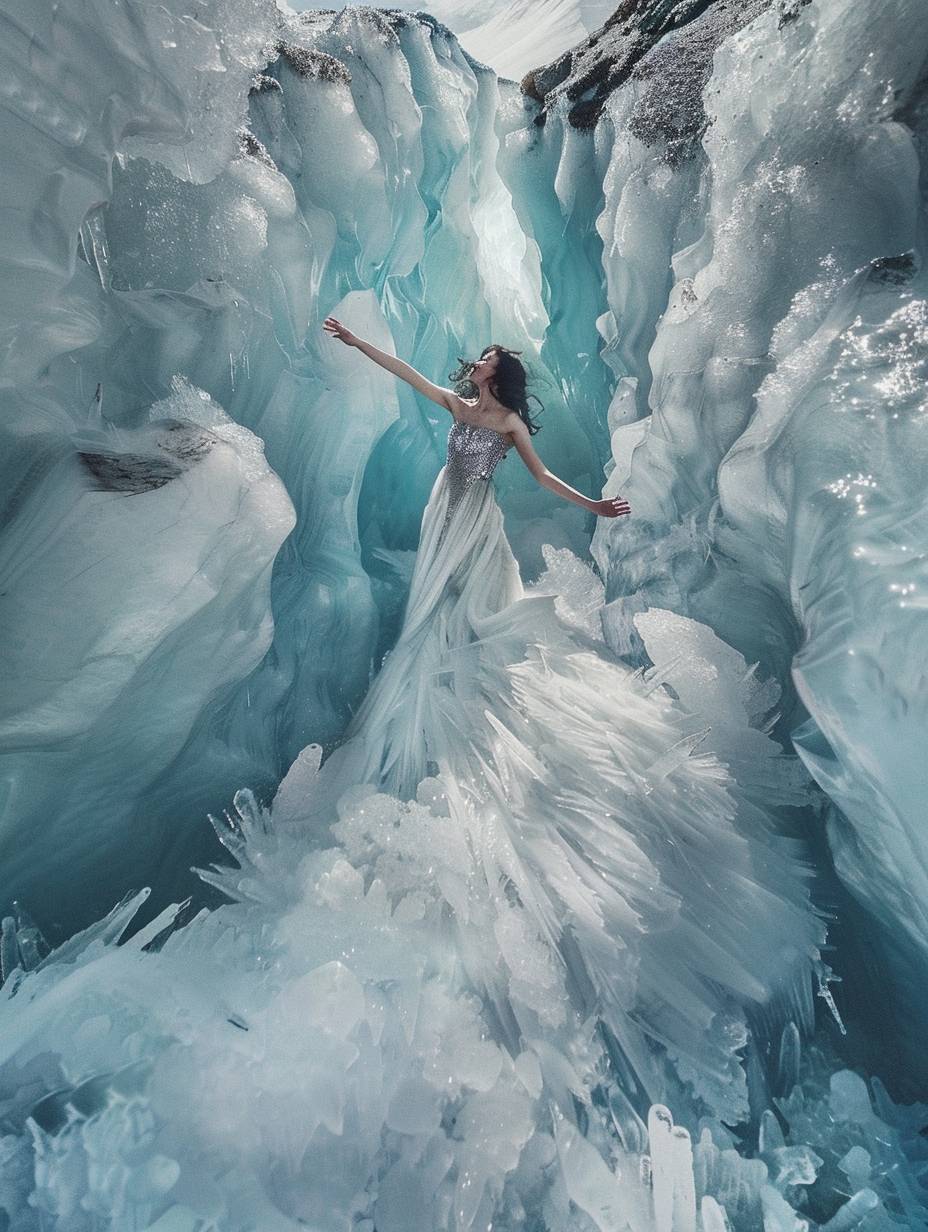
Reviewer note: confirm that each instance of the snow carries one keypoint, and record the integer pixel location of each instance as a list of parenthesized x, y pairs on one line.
[(521, 35)]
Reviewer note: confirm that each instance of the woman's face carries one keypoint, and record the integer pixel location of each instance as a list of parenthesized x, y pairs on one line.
[(485, 368)]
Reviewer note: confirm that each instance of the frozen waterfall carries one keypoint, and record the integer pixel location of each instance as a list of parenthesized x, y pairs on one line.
[(705, 229)]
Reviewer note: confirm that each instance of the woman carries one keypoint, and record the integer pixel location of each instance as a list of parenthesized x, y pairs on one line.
[(501, 407), (465, 571), (593, 859)]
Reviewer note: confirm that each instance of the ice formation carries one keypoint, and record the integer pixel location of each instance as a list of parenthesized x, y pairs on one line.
[(715, 270)]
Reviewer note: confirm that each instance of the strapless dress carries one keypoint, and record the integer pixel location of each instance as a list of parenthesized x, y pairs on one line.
[(473, 453)]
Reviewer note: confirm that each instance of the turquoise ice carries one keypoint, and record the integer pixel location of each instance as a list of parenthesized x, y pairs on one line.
[(210, 519)]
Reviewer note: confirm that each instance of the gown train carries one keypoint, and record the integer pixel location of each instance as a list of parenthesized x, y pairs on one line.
[(627, 880)]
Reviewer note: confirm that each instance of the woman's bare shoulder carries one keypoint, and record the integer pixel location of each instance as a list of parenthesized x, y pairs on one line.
[(459, 406)]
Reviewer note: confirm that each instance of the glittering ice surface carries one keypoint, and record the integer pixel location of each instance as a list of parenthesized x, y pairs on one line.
[(778, 469), (671, 977)]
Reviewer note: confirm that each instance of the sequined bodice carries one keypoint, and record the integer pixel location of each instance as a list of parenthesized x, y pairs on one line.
[(473, 453)]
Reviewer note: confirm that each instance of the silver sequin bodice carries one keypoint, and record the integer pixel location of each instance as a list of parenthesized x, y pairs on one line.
[(473, 453)]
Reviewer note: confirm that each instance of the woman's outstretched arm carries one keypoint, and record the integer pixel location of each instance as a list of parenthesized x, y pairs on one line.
[(437, 393), (609, 507)]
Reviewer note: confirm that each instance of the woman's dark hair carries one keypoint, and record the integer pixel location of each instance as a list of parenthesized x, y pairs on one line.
[(508, 384)]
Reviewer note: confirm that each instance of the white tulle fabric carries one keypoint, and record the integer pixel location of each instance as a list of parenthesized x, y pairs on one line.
[(465, 573)]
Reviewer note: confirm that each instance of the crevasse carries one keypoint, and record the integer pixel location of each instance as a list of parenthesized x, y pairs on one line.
[(209, 520)]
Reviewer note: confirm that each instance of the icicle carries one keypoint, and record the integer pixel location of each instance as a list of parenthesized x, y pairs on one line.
[(788, 1060), (9, 949), (825, 977), (714, 1217), (663, 1164)]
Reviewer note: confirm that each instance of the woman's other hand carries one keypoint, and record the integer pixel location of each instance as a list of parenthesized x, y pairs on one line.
[(611, 507), (335, 329)]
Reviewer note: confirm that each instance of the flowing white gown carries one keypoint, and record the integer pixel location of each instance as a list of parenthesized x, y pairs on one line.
[(629, 880), (465, 573)]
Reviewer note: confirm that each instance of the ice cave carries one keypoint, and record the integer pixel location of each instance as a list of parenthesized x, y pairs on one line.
[(638, 942)]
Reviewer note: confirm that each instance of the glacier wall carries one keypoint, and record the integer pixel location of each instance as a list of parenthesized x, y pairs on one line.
[(194, 263), (210, 519), (768, 423), (140, 528)]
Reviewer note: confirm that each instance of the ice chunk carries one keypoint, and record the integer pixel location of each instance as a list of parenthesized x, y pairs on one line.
[(141, 564)]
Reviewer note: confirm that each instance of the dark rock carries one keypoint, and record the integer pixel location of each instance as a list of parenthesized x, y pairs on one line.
[(789, 11), (251, 147), (436, 26), (550, 76), (668, 43), (131, 473), (316, 65), (178, 445), (894, 271), (671, 110), (383, 22), (397, 19), (528, 87), (262, 84)]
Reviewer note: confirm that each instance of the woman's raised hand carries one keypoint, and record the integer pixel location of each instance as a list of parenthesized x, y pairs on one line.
[(335, 329), (612, 507)]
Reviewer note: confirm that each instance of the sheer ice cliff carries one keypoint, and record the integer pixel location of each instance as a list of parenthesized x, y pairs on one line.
[(705, 226)]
